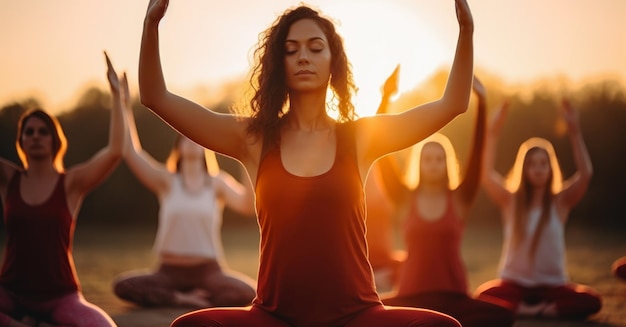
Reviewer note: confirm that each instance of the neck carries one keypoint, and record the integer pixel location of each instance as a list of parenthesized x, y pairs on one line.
[(40, 168), (192, 168), (432, 188), (538, 194), (307, 112)]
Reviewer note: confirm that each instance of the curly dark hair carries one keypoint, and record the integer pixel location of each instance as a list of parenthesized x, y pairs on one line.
[(268, 105)]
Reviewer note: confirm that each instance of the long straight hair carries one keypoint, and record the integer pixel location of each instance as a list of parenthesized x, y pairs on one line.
[(413, 171), (174, 159), (518, 184)]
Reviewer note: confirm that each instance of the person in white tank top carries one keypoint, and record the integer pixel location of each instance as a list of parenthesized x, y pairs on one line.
[(535, 203), (192, 192)]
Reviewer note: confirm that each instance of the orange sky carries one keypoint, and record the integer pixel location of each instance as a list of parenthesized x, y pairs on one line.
[(52, 49)]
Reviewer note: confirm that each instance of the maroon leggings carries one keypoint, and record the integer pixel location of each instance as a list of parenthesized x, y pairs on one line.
[(158, 288), (573, 301), (67, 310), (468, 311), (619, 268), (378, 316)]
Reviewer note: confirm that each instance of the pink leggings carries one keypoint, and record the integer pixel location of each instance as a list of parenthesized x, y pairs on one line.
[(67, 310), (378, 316), (573, 301)]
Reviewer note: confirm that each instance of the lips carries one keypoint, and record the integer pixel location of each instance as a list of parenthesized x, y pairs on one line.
[(305, 72)]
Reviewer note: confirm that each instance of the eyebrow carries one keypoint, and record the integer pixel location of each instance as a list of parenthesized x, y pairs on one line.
[(316, 38)]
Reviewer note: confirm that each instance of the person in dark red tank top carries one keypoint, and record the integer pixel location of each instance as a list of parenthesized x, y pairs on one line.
[(38, 281), (433, 275), (308, 169)]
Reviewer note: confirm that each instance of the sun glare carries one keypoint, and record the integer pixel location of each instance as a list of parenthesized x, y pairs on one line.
[(379, 35)]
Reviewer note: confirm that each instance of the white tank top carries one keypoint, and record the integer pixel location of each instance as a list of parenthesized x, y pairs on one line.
[(548, 266), (190, 223)]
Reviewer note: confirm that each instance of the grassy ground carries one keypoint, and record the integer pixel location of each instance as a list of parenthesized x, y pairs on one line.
[(101, 254)]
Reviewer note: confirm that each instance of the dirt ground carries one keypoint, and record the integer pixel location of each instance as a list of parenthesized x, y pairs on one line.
[(102, 253)]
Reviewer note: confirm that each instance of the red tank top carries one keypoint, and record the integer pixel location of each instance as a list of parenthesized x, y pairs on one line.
[(433, 262), (313, 257), (38, 260)]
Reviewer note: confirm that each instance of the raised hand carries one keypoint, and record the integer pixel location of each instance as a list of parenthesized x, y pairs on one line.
[(114, 82), (390, 88), (569, 115), (464, 15), (156, 10), (125, 92)]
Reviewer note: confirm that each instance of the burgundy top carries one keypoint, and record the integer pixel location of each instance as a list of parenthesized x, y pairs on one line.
[(313, 268), (434, 262), (38, 259)]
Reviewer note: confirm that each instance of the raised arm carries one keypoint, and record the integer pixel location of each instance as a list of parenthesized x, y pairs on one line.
[(227, 133), (87, 175), (389, 89), (383, 134), (492, 181), (150, 172), (393, 183), (237, 196), (574, 188), (471, 179)]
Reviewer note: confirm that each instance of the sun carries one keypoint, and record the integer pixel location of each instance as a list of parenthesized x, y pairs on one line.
[(379, 35)]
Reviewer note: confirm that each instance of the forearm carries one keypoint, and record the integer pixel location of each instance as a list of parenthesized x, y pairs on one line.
[(581, 155), (473, 174), (151, 80), (459, 86), (117, 132)]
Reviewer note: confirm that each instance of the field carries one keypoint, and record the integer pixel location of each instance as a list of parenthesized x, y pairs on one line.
[(102, 253)]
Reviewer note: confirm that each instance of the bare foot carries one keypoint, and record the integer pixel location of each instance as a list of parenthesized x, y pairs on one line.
[(197, 298), (531, 310)]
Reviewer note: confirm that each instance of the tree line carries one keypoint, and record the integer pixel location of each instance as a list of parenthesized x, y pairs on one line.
[(121, 199)]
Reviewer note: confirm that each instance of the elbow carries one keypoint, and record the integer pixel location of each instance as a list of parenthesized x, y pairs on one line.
[(147, 100)]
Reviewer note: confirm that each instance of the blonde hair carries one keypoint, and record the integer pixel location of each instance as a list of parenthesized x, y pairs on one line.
[(516, 174), (517, 184), (412, 176), (173, 160)]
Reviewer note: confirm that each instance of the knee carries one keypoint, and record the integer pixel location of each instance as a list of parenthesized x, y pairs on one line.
[(194, 319), (121, 288), (438, 319)]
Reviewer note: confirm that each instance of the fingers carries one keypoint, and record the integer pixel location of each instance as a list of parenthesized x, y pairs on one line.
[(156, 10), (464, 15), (391, 84)]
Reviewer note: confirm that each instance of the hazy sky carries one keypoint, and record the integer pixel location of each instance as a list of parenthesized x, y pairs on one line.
[(53, 49)]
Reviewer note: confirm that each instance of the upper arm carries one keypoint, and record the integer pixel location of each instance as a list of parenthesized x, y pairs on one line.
[(385, 133), (574, 189), (393, 184), (220, 132), (236, 196), (151, 173), (85, 176)]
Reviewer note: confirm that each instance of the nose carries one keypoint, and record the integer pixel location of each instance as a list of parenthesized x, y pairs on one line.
[(303, 58)]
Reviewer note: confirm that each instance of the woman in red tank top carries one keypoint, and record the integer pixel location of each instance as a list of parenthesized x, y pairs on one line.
[(38, 281), (307, 168), (433, 275)]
